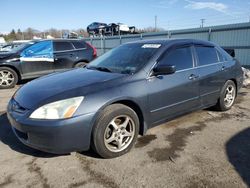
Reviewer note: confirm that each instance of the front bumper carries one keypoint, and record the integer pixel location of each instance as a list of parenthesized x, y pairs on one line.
[(53, 136)]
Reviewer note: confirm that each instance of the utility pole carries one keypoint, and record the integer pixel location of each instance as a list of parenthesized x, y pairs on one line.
[(202, 22), (155, 23)]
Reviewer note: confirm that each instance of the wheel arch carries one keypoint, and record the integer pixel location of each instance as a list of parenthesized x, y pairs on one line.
[(236, 84), (134, 106), (131, 104)]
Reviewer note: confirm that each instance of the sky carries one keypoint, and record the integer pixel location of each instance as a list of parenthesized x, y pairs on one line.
[(75, 14)]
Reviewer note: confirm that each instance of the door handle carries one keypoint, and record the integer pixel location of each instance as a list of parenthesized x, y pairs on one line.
[(223, 67), (193, 77)]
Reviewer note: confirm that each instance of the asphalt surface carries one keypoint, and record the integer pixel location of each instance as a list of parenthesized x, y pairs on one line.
[(201, 149)]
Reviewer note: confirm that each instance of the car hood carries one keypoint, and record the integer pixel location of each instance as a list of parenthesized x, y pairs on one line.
[(57, 86), (5, 55)]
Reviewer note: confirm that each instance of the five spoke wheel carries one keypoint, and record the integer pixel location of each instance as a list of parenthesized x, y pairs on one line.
[(115, 131), (229, 95), (119, 133)]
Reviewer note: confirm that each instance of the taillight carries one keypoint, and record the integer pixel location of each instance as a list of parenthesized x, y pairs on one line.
[(94, 49)]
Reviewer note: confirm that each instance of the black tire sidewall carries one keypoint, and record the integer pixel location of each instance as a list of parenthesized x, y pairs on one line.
[(15, 78), (102, 122), (223, 107)]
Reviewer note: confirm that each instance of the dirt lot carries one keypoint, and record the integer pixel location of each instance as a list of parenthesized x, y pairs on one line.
[(202, 149)]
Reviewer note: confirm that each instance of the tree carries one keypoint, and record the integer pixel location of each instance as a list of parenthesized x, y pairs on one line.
[(55, 33), (19, 35), (29, 33), (11, 36)]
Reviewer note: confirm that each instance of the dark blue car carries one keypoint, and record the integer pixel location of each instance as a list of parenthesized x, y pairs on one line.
[(123, 93)]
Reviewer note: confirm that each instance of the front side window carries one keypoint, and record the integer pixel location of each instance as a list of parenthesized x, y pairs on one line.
[(41, 51), (206, 55), (181, 58)]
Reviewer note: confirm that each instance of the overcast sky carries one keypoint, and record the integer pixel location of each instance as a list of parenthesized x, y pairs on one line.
[(74, 14)]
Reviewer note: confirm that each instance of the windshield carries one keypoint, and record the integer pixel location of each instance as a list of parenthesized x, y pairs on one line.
[(125, 59), (6, 48)]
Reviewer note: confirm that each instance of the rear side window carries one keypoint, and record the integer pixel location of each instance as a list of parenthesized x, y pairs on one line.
[(226, 55), (206, 55), (62, 46), (221, 57), (79, 45), (181, 58)]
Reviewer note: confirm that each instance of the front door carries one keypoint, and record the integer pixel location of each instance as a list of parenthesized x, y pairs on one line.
[(37, 60), (175, 94)]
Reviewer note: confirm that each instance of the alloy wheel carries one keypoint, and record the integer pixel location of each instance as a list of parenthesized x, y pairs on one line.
[(6, 78), (119, 133), (229, 96)]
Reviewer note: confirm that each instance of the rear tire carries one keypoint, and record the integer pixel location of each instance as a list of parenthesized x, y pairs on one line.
[(115, 131), (8, 78), (80, 65), (227, 96)]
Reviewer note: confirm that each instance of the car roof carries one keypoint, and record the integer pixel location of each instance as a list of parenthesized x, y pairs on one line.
[(174, 41), (62, 40)]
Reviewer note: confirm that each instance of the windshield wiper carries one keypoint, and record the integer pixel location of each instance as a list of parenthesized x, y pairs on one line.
[(105, 69)]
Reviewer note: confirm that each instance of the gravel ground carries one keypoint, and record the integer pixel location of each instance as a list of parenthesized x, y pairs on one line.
[(201, 149)]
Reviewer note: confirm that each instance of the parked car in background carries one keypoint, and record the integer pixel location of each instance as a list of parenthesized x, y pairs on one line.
[(39, 58), (9, 47), (70, 35), (13, 45), (123, 93)]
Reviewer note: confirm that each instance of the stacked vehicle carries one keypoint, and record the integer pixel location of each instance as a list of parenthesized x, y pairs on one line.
[(103, 29)]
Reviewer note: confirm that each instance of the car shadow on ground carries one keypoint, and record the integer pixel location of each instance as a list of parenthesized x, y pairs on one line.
[(8, 137), (22, 82), (238, 152)]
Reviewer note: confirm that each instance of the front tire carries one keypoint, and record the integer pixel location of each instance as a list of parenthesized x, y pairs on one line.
[(227, 96), (8, 78), (115, 131)]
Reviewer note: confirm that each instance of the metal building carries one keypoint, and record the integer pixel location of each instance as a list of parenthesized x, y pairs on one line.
[(236, 36)]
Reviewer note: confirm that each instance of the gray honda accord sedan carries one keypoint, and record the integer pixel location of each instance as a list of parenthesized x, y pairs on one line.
[(123, 93)]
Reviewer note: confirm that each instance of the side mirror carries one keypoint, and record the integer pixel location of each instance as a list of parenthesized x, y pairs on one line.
[(164, 70)]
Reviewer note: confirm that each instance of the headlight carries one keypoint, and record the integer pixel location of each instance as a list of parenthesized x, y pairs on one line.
[(58, 110)]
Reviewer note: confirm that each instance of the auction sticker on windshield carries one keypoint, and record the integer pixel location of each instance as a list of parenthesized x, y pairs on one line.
[(151, 46)]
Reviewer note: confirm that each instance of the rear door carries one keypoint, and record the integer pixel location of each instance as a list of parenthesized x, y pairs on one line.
[(37, 60), (65, 55), (83, 52), (178, 93), (209, 68)]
